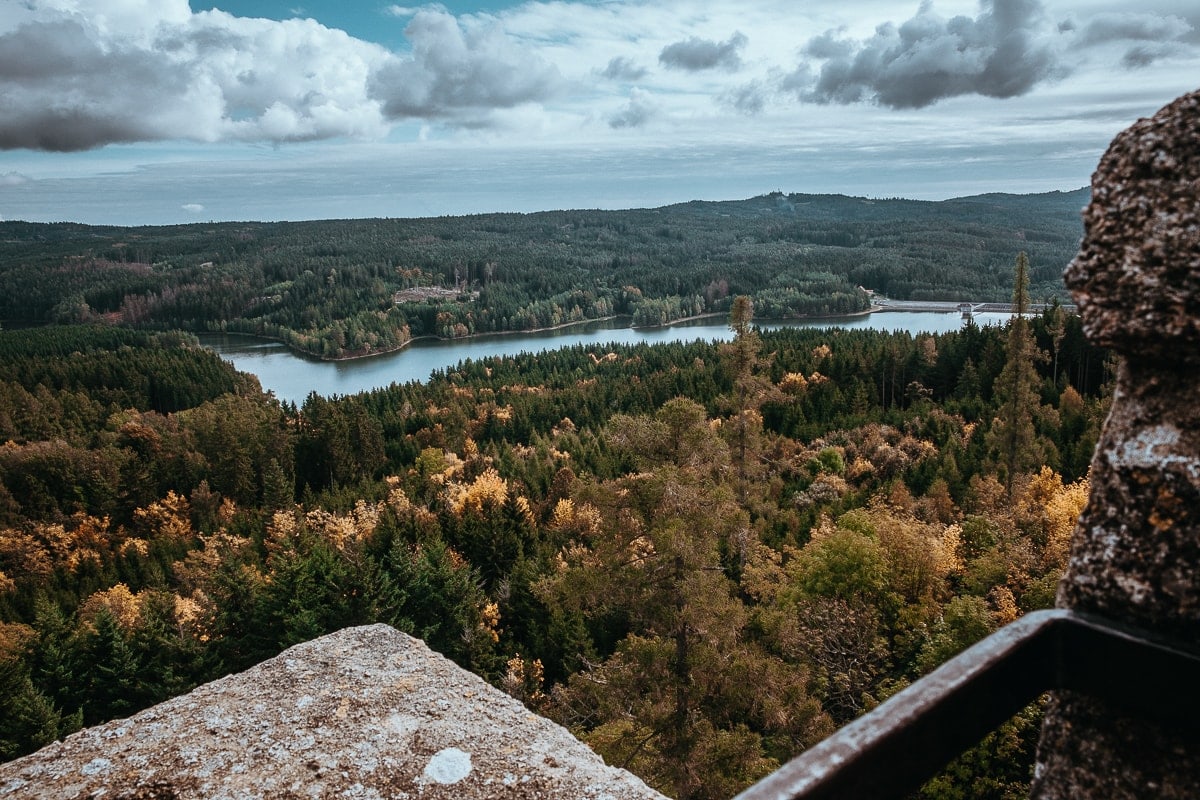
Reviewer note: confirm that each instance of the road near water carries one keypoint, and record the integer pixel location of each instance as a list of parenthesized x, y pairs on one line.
[(291, 377)]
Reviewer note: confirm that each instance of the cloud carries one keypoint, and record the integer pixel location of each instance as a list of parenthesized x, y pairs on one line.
[(636, 113), (13, 178), (74, 81), (192, 208), (749, 98), (70, 82), (829, 45), (621, 68), (459, 74), (694, 55), (1003, 52), (1110, 27), (1143, 55), (1155, 37), (63, 91), (408, 11)]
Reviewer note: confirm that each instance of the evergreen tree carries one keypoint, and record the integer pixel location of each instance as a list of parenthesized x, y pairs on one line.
[(750, 391), (29, 720), (1013, 439)]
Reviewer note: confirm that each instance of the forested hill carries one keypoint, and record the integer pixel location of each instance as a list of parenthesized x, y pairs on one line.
[(337, 288)]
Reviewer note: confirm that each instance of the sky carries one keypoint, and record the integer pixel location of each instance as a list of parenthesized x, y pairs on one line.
[(138, 112)]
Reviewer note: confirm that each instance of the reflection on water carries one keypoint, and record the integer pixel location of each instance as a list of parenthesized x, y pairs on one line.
[(292, 377)]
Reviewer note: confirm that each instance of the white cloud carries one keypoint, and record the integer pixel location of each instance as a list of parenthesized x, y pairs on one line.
[(69, 83), (408, 11), (192, 208), (13, 178)]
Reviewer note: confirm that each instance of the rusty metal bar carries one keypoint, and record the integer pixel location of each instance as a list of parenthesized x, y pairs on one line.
[(894, 749)]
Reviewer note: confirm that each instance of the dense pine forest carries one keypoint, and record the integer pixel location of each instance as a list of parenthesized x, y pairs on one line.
[(354, 287), (701, 558)]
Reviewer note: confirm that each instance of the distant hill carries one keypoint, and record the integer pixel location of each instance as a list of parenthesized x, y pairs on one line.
[(329, 287)]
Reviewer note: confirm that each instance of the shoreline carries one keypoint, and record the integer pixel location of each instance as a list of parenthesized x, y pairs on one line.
[(549, 329)]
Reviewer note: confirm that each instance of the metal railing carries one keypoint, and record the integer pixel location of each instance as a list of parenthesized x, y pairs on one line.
[(894, 749)]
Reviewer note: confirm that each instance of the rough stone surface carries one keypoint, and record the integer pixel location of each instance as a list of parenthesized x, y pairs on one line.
[(1136, 278), (1135, 556), (363, 713)]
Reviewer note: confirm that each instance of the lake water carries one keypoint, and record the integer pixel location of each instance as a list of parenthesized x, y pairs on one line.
[(292, 377)]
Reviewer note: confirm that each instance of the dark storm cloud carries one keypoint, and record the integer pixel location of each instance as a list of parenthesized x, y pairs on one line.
[(61, 92), (458, 75), (621, 68), (694, 55), (1003, 52)]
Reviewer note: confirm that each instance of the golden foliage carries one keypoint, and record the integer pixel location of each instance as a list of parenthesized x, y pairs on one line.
[(198, 566), (948, 558), (490, 620), (14, 638), (169, 518), (189, 615), (138, 547), (525, 510), (397, 500), (859, 468), (23, 556), (282, 530), (793, 383), (582, 519), (489, 489), (1054, 507), (1004, 605), (525, 681), (124, 605)]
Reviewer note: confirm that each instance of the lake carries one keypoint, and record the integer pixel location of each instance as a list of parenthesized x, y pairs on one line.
[(291, 377)]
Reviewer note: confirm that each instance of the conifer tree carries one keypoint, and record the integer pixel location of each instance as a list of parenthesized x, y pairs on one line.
[(750, 391), (1012, 439)]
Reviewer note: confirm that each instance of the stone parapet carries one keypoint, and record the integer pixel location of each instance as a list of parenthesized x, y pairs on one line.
[(362, 713)]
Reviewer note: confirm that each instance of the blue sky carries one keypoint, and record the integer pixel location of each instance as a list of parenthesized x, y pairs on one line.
[(157, 111)]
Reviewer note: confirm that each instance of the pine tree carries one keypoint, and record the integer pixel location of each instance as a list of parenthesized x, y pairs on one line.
[(1012, 439), (750, 391)]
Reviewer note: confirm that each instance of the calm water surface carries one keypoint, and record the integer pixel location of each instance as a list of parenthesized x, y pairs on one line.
[(292, 377)]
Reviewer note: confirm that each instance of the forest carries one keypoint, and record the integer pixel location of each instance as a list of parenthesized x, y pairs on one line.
[(700, 558), (342, 288)]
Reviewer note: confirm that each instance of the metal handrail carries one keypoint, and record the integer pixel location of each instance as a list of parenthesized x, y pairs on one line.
[(893, 750)]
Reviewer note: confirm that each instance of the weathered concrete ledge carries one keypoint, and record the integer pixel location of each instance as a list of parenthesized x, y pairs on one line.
[(363, 713)]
